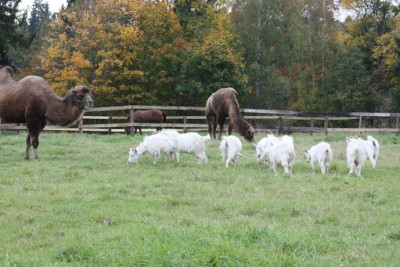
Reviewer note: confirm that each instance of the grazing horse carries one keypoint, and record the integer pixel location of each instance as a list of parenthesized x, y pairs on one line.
[(146, 116), (32, 101), (221, 104)]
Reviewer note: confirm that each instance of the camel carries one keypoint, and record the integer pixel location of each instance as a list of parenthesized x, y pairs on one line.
[(221, 104), (31, 101)]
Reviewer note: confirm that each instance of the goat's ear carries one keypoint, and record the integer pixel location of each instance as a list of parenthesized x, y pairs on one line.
[(74, 92), (305, 150), (373, 142)]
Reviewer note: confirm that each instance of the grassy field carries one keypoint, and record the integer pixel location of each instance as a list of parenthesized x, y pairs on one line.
[(82, 204)]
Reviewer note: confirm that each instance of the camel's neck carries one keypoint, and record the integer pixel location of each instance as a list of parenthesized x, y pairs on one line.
[(239, 124), (62, 111)]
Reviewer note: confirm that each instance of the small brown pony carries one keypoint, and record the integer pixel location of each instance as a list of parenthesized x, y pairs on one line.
[(146, 116), (221, 104)]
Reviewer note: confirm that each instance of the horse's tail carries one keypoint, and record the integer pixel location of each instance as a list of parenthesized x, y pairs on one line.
[(164, 117)]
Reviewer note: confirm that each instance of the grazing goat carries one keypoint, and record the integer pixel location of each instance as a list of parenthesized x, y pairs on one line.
[(358, 150), (230, 148), (191, 143), (155, 145), (283, 153), (321, 154), (269, 141)]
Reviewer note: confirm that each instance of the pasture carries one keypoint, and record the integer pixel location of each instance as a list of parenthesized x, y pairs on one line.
[(82, 204)]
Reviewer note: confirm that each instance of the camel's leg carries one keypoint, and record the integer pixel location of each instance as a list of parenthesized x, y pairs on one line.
[(210, 120), (28, 147), (221, 121), (215, 126), (35, 126), (230, 129)]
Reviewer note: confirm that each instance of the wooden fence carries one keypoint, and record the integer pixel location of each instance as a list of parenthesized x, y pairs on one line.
[(259, 117)]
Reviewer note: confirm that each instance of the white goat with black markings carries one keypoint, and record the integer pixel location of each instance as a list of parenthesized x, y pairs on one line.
[(282, 153), (230, 148), (358, 150), (321, 154), (154, 145)]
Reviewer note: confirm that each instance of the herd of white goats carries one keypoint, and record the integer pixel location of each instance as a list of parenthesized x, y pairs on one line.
[(271, 149)]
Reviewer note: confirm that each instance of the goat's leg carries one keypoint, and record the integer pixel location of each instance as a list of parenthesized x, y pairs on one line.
[(228, 160)]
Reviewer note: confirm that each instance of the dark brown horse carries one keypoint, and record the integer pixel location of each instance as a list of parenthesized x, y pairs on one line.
[(146, 116), (32, 101), (221, 104)]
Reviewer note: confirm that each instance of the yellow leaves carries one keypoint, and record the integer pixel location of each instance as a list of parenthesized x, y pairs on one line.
[(78, 59), (385, 50)]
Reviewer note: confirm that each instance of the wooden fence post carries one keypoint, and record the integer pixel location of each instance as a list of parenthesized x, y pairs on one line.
[(0, 126), (360, 124), (312, 127), (280, 125), (80, 125), (326, 124), (109, 122), (131, 115), (397, 126), (184, 122)]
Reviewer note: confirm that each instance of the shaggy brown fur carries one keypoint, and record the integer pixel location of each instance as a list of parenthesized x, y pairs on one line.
[(32, 101), (149, 116), (221, 104)]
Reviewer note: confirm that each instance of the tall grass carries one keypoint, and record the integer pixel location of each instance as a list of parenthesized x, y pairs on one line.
[(82, 204)]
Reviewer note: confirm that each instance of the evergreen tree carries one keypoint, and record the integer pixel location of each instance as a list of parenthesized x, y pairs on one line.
[(13, 36)]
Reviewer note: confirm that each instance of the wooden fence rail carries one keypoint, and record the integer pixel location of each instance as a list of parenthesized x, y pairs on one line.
[(115, 124)]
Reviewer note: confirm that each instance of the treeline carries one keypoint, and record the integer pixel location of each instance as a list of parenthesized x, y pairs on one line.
[(277, 54)]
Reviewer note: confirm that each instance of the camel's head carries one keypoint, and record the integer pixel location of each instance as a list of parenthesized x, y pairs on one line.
[(249, 134), (82, 97)]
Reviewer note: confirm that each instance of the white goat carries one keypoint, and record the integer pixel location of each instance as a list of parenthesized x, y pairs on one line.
[(155, 145), (358, 150), (283, 153), (230, 148), (321, 154), (191, 143), (269, 141)]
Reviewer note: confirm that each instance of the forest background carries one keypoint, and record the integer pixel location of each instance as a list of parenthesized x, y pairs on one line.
[(278, 54)]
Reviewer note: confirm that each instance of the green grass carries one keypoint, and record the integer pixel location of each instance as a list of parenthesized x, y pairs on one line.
[(82, 204)]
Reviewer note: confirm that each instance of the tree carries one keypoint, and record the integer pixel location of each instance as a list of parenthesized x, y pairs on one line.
[(347, 81), (13, 35)]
